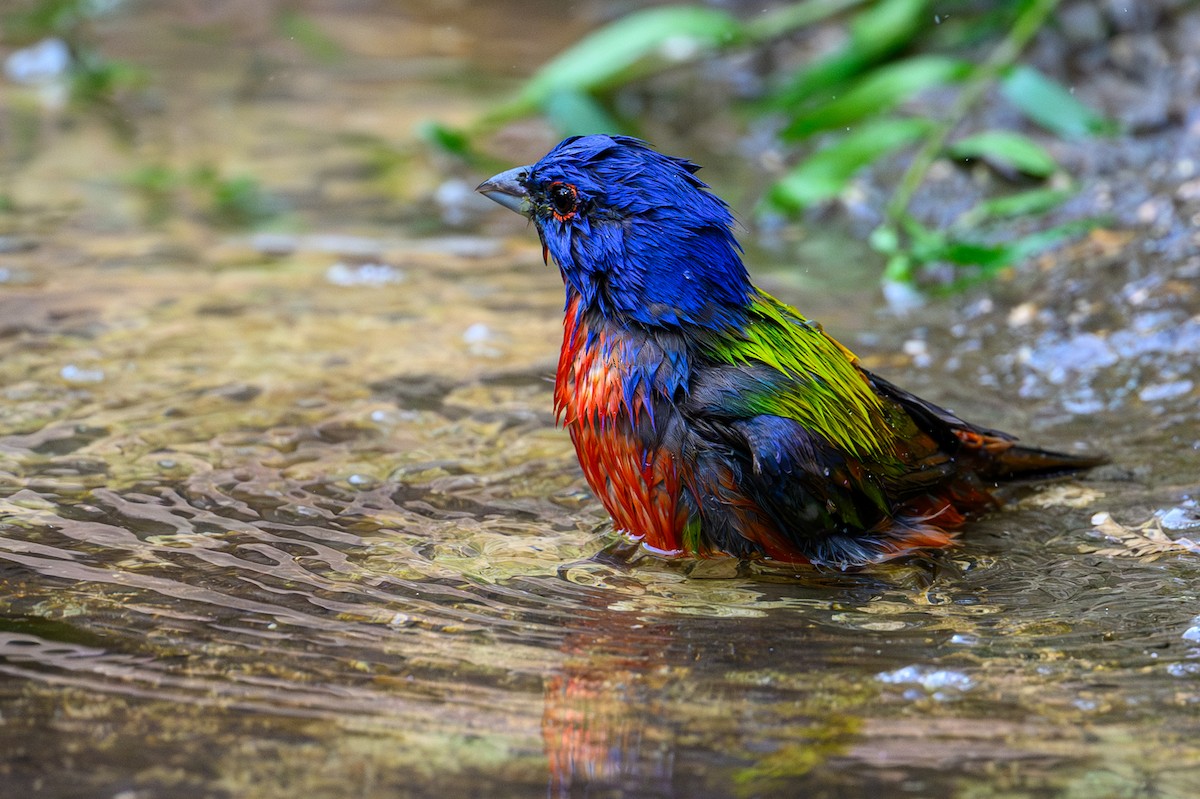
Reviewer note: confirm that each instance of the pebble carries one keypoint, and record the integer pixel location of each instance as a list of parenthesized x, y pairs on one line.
[(370, 274), (477, 334), (276, 244), (1057, 358), (1164, 391), (1181, 517), (1188, 190), (76, 374), (1082, 23), (918, 350), (935, 681), (902, 298), (1022, 315), (342, 244), (480, 340), (45, 62)]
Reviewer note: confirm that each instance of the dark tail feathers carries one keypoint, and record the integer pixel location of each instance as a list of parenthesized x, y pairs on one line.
[(1026, 463), (995, 455)]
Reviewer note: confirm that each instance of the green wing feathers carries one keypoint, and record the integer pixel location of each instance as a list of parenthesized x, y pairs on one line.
[(820, 385)]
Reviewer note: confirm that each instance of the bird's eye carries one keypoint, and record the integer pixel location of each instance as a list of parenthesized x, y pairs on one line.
[(564, 198)]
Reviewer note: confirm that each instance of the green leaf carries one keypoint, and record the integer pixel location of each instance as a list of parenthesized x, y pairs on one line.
[(1012, 150), (38, 20), (899, 269), (1034, 243), (154, 178), (1025, 203), (884, 239), (877, 92), (786, 18), (306, 33), (97, 80), (826, 172), (990, 257), (444, 137), (577, 114), (874, 33), (925, 243), (670, 33), (1000, 257), (888, 24), (239, 201), (1050, 105), (930, 246)]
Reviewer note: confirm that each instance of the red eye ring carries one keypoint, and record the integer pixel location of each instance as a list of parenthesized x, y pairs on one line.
[(564, 200)]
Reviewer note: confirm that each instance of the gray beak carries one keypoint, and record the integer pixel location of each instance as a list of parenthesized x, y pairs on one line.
[(507, 190)]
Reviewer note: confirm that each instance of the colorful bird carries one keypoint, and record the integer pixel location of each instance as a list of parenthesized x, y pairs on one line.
[(710, 418)]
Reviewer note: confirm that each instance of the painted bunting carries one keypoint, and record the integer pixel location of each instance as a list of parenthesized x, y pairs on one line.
[(709, 417)]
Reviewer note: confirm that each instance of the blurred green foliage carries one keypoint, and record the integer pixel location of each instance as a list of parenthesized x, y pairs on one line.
[(30, 21), (868, 99), (101, 86), (94, 81), (304, 32), (225, 200)]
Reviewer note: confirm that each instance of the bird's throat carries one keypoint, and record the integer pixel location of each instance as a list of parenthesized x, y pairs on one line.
[(610, 396)]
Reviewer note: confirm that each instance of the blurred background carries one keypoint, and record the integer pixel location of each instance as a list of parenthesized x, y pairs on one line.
[(283, 508), (958, 138)]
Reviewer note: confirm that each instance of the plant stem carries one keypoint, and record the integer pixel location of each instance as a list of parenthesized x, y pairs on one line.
[(1027, 24)]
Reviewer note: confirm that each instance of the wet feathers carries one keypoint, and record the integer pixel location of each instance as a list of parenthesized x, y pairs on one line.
[(710, 418)]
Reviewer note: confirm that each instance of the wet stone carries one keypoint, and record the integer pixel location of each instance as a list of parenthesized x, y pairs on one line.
[(415, 392), (238, 393)]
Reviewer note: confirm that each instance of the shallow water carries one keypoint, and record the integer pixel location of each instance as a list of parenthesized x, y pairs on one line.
[(287, 513)]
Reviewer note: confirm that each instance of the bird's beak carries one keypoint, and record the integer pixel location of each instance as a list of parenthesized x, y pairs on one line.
[(507, 190)]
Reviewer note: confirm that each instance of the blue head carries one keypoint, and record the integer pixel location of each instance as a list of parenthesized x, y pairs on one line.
[(635, 233)]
